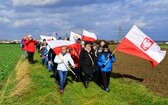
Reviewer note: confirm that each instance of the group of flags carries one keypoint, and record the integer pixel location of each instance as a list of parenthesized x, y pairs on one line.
[(135, 43)]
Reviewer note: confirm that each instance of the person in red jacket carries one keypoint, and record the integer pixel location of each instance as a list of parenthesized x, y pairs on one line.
[(30, 47)]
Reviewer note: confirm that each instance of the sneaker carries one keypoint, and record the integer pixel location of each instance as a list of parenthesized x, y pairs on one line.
[(61, 91), (107, 90)]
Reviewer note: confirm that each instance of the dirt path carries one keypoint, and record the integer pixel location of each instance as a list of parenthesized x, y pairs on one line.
[(22, 79)]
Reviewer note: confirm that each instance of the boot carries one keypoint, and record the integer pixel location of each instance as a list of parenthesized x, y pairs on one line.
[(86, 84)]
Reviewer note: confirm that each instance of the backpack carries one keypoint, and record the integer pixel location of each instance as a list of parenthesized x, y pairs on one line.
[(22, 43)]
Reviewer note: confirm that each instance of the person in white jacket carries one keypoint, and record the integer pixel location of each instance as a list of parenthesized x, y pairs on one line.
[(63, 59)]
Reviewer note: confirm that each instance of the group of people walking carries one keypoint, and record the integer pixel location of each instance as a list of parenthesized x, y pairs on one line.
[(88, 62)]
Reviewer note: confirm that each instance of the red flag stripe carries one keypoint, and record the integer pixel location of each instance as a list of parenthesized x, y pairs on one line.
[(128, 47), (86, 38)]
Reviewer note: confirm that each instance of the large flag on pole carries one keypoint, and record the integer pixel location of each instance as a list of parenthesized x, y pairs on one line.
[(48, 38), (138, 44), (74, 36), (56, 45), (89, 36)]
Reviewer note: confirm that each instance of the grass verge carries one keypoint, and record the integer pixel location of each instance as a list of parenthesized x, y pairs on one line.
[(42, 90)]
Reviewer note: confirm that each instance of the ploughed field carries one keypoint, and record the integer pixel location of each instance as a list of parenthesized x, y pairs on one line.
[(131, 68)]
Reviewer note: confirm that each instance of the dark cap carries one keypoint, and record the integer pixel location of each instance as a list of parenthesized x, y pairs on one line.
[(79, 39), (88, 42), (44, 39)]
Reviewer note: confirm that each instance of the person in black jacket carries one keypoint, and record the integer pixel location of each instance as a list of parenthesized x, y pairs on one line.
[(51, 56), (87, 63)]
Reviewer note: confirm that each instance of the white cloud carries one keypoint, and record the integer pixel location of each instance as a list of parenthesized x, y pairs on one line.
[(158, 2), (19, 23), (102, 18), (140, 23), (34, 2), (2, 6), (4, 20), (134, 1), (7, 13)]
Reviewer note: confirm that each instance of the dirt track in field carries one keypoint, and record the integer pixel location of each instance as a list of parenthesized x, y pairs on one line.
[(132, 68)]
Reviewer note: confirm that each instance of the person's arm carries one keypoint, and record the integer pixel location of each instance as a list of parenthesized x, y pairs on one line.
[(113, 59), (27, 42), (49, 55), (35, 41), (71, 60), (80, 59), (99, 61)]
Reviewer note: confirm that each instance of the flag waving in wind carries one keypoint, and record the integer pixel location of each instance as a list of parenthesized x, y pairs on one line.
[(88, 36), (47, 38), (74, 36), (138, 44), (56, 45)]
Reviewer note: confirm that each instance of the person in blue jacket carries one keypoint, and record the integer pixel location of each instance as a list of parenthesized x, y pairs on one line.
[(105, 61)]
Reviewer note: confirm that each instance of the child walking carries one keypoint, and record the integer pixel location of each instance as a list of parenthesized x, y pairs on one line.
[(105, 61)]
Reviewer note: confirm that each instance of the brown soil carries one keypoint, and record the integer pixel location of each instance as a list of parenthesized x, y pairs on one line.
[(131, 67)]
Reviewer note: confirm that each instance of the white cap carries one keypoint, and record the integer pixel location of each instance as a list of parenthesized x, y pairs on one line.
[(29, 36)]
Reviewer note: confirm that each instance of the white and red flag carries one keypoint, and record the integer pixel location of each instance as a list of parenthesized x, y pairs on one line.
[(56, 45), (74, 36), (47, 38), (89, 36), (138, 44)]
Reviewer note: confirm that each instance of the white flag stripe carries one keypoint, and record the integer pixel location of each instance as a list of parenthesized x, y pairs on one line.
[(136, 36), (58, 43), (47, 37), (89, 34), (74, 36)]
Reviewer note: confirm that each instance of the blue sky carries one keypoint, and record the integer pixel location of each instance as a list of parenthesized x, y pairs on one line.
[(103, 17)]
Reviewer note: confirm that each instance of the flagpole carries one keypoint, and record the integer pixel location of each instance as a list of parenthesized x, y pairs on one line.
[(113, 52), (69, 69), (109, 58), (67, 66)]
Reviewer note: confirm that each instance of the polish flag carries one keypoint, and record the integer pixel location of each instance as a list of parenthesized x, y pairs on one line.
[(138, 44), (48, 38), (89, 36), (74, 36), (56, 45)]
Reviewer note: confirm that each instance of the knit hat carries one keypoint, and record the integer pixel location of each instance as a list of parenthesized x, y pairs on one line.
[(94, 44)]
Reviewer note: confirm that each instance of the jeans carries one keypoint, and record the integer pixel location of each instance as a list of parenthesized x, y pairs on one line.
[(50, 67), (62, 78), (45, 60)]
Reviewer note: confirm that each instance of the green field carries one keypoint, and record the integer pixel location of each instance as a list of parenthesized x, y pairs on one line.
[(9, 56), (32, 85), (164, 46)]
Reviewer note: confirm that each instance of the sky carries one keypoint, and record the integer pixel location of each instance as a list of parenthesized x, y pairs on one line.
[(102, 17)]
